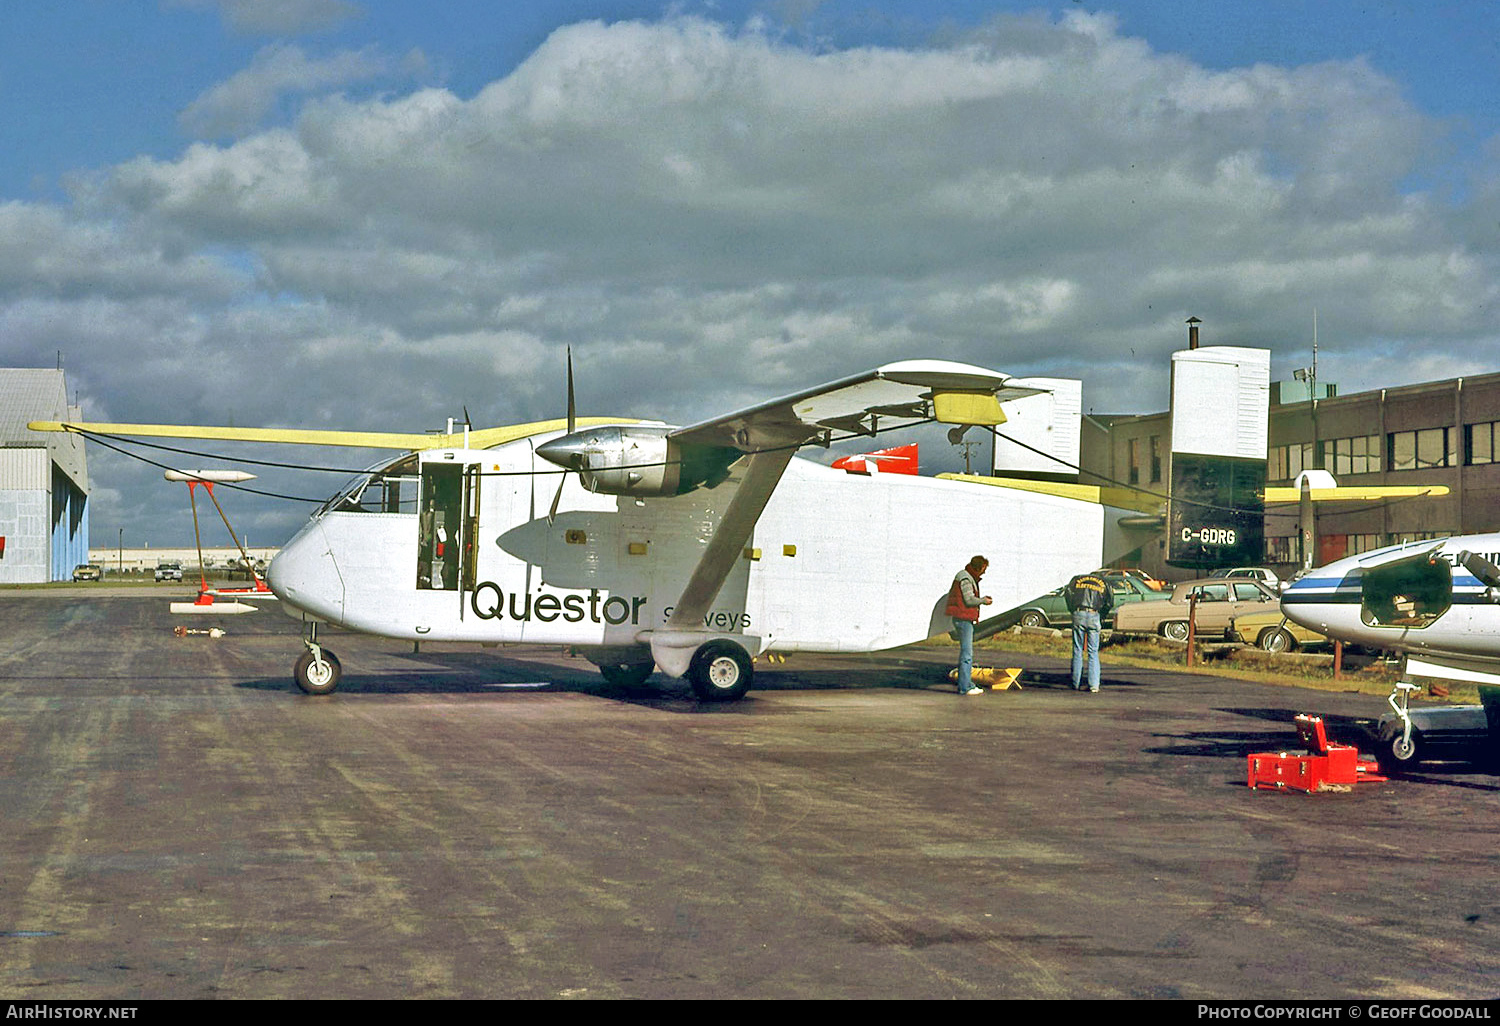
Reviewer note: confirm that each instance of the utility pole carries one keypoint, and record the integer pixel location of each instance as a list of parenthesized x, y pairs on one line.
[(968, 448)]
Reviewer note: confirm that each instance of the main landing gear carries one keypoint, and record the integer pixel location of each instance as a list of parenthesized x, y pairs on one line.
[(720, 670), (318, 671)]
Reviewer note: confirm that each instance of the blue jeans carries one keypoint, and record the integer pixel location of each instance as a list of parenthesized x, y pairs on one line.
[(1086, 637), (965, 631)]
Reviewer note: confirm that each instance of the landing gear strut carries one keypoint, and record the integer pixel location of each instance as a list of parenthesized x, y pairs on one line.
[(318, 671)]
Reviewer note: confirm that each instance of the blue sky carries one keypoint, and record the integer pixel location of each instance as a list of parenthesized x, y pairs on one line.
[(85, 83), (366, 214)]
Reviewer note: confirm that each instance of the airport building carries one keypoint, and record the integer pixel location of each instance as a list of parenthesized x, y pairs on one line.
[(44, 483), (1440, 433)]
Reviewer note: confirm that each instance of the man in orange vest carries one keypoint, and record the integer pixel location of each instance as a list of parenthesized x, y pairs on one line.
[(964, 602)]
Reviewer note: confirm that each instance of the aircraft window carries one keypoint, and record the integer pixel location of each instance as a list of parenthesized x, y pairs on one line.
[(1411, 593), (388, 489)]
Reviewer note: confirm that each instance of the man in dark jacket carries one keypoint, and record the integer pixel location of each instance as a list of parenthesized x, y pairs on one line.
[(1089, 600)]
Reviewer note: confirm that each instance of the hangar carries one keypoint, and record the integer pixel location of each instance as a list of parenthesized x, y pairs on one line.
[(44, 481)]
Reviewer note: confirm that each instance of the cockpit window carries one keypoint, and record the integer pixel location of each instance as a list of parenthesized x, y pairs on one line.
[(391, 488), (1412, 593)]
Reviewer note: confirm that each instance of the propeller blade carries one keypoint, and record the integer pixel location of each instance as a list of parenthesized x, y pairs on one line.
[(572, 412), (552, 511)]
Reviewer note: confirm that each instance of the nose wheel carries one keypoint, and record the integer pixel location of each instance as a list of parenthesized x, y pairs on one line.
[(318, 671)]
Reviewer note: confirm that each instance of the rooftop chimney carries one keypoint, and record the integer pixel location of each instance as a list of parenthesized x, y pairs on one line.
[(1192, 323)]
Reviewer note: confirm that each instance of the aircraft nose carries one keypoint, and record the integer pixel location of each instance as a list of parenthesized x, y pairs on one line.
[(304, 575)]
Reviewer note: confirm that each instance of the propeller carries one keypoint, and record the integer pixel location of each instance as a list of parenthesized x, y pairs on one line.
[(578, 460)]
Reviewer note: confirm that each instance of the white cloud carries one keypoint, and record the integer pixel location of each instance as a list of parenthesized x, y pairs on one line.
[(278, 17), (242, 102)]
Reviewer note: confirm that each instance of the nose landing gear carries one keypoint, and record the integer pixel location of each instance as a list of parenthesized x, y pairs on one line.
[(318, 671)]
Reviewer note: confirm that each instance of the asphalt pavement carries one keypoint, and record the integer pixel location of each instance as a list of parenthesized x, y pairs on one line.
[(493, 823)]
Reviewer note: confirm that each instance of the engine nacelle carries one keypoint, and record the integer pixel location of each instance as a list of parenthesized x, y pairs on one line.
[(633, 459)]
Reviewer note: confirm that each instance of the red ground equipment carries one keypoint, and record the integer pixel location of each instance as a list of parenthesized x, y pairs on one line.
[(1322, 766)]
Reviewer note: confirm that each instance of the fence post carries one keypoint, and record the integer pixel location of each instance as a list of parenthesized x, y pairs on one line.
[(1192, 625)]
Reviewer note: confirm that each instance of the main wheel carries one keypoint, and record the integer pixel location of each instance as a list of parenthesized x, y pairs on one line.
[(318, 676), (626, 675), (1175, 630), (1276, 639), (720, 672), (1031, 618)]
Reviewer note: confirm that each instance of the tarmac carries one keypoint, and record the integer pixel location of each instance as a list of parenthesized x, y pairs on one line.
[(459, 822)]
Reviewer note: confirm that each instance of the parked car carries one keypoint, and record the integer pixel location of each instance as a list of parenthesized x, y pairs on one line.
[(1051, 609), (1130, 571), (1219, 602), (1254, 573), (1273, 632), (88, 572), (169, 570)]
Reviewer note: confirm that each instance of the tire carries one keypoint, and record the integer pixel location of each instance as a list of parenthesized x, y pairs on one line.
[(627, 675), (1031, 618), (318, 678), (720, 672), (1276, 639), (1394, 757), (1175, 630)]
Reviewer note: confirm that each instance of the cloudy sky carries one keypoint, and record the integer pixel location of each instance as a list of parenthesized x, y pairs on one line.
[(371, 214)]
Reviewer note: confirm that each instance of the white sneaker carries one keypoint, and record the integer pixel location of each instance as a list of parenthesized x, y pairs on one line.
[(974, 691)]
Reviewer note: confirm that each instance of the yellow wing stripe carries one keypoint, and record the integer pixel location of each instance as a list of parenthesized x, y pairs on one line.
[(483, 438), (1345, 493), (1123, 498)]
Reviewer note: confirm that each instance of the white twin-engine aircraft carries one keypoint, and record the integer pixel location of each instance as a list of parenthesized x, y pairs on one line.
[(1437, 602), (690, 549)]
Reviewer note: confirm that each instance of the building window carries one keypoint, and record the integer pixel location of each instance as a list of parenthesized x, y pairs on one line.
[(1421, 450), (1155, 459), (1283, 549), (1359, 455), (1287, 461), (1479, 443), (1133, 460)]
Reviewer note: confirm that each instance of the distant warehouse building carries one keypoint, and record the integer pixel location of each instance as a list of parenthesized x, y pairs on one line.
[(44, 482)]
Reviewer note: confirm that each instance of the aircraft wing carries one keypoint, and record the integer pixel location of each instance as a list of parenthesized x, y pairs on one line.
[(482, 438), (894, 395)]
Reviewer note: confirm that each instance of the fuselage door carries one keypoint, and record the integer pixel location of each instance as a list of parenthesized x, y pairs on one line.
[(1407, 593), (447, 526)]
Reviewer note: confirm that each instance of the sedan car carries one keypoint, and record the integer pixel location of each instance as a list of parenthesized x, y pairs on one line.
[(1273, 632), (1219, 601), (1051, 609), (88, 572)]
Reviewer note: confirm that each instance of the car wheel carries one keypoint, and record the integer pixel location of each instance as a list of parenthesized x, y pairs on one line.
[(1031, 618), (1276, 639), (1175, 630)]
